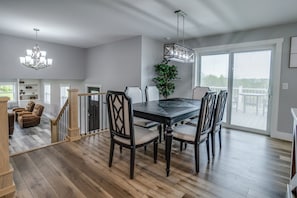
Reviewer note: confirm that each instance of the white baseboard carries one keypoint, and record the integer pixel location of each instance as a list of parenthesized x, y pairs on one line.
[(282, 136)]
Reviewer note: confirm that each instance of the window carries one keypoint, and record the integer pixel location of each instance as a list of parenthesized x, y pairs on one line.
[(8, 89), (63, 94), (47, 93)]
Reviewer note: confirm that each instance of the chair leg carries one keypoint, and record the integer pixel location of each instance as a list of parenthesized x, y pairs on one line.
[(196, 150), (145, 148), (207, 147), (213, 143), (220, 137), (132, 163), (160, 133), (181, 146), (121, 149), (155, 151), (111, 153)]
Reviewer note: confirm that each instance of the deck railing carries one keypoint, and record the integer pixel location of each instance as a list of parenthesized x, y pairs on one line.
[(243, 98)]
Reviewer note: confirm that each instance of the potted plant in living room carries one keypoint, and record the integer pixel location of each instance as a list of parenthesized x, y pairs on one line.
[(166, 74)]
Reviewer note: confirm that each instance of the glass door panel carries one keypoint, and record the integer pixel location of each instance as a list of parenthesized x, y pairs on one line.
[(251, 76), (214, 72)]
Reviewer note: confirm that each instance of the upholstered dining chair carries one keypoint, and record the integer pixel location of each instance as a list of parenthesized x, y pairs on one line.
[(122, 130), (199, 134), (152, 93), (135, 94), (218, 118), (198, 92)]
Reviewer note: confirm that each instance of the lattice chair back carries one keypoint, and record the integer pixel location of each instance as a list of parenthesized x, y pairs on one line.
[(120, 115), (220, 107), (206, 114)]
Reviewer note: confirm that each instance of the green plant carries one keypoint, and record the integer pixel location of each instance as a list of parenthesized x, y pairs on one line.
[(166, 74)]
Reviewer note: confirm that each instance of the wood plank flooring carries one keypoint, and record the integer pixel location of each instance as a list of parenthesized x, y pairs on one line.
[(249, 165), (28, 138)]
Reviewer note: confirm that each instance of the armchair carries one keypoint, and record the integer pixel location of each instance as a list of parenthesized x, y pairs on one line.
[(29, 119), (29, 108)]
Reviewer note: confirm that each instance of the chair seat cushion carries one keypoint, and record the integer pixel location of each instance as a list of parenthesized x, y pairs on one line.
[(193, 122), (144, 122), (186, 133), (142, 136)]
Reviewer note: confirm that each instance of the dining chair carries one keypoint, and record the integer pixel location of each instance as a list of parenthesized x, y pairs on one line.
[(135, 94), (122, 130), (152, 93), (198, 92), (199, 134), (218, 118)]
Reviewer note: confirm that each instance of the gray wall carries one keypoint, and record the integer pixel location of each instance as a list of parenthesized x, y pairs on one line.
[(69, 62), (116, 65), (287, 98), (151, 54)]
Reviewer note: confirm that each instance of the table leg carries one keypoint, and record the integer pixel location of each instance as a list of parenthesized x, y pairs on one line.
[(168, 148)]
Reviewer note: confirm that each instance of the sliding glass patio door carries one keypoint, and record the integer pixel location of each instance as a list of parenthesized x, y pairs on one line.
[(246, 76)]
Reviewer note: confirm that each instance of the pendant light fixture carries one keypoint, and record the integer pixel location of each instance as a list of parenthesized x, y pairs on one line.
[(176, 51)]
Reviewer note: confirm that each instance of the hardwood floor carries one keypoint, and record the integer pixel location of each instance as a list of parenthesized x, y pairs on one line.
[(249, 165), (28, 138)]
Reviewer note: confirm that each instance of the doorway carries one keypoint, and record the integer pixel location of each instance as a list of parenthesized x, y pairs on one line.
[(93, 107), (246, 76)]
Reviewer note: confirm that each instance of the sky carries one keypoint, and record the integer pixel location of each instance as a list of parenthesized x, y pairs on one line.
[(246, 64)]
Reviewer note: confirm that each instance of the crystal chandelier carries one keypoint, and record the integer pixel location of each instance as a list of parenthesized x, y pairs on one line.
[(175, 51), (35, 58)]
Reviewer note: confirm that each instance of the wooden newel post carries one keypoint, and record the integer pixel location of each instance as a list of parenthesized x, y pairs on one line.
[(54, 131), (73, 130), (7, 187)]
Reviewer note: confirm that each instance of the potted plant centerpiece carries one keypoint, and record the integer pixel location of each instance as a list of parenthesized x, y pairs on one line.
[(166, 74)]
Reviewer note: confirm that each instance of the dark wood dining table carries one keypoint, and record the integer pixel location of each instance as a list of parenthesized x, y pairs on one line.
[(167, 112)]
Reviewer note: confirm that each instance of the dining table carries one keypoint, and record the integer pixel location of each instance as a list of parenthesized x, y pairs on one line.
[(167, 112)]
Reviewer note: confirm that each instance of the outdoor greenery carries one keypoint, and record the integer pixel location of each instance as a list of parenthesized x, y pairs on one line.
[(222, 81), (6, 90), (166, 74)]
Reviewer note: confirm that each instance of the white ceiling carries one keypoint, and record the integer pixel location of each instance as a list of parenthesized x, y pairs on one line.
[(87, 23)]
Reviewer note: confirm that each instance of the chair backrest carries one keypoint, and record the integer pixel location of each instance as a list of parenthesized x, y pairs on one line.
[(206, 114), (30, 106), (199, 92), (38, 109), (134, 93), (152, 93), (120, 117), (220, 108)]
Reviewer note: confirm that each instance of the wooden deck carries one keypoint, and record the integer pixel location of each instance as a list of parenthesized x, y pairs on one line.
[(249, 165)]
